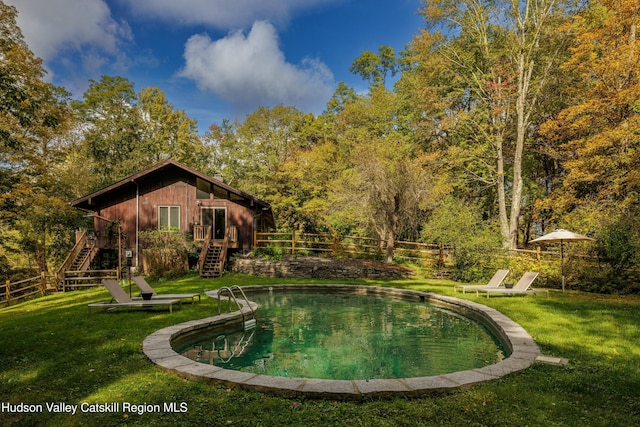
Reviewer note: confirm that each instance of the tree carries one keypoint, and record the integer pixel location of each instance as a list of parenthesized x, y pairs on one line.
[(168, 133), (384, 185), (223, 159), (114, 132), (267, 155), (599, 132), (30, 108), (343, 95), (34, 120), (374, 68), (21, 85), (9, 214), (258, 146), (474, 239), (501, 54), (127, 131)]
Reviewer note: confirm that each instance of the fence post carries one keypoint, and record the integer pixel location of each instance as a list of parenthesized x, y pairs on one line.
[(538, 253), (8, 291), (293, 241), (335, 244), (43, 284)]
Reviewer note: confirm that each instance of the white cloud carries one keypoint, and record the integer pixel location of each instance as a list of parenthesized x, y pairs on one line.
[(78, 39), (252, 70), (52, 26), (225, 14)]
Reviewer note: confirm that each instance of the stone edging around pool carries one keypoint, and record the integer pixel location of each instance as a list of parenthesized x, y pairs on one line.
[(524, 351)]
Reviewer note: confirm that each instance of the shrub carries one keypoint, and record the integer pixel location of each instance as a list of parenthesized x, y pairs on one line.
[(165, 254), (613, 269), (460, 224), (618, 245), (271, 253)]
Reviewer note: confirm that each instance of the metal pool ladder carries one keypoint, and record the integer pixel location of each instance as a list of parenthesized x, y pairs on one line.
[(246, 323), (242, 345)]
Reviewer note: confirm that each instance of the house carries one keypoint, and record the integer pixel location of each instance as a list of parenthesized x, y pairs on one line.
[(174, 197)]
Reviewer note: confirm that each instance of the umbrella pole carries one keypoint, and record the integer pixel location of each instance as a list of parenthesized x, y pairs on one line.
[(562, 262)]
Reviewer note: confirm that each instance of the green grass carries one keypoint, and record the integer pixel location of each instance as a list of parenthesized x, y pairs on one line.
[(52, 350)]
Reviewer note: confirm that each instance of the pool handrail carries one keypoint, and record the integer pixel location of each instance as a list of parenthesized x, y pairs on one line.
[(229, 290)]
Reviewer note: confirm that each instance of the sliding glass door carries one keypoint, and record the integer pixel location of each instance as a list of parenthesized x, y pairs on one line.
[(217, 219)]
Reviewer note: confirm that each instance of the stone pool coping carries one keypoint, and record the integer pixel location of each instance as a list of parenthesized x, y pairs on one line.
[(524, 352)]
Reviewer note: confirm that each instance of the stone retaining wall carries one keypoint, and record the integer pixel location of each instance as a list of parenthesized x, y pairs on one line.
[(317, 268)]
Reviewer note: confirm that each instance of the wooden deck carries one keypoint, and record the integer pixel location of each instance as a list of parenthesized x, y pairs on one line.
[(202, 233)]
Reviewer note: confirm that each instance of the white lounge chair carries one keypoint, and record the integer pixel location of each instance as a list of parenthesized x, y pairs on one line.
[(495, 282), (120, 299), (522, 287), (146, 288)]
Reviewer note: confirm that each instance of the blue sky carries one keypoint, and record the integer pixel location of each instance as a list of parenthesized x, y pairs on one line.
[(216, 59)]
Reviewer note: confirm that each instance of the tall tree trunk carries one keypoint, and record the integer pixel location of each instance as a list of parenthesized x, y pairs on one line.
[(392, 230), (524, 78), (391, 241), (502, 197), (529, 22)]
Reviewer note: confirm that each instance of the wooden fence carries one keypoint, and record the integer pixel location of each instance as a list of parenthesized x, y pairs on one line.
[(309, 243), (73, 280), (38, 286), (430, 254), (22, 289)]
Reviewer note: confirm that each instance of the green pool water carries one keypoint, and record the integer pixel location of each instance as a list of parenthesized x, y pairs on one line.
[(346, 337)]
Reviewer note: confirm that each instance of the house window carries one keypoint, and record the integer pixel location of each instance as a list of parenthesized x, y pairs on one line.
[(220, 193), (169, 218), (203, 189)]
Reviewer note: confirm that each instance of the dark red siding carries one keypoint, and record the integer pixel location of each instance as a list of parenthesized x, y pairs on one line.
[(136, 207)]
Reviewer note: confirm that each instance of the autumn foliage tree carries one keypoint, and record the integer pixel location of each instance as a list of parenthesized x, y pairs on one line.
[(599, 131), (125, 130), (498, 57), (34, 117), (383, 185), (597, 135)]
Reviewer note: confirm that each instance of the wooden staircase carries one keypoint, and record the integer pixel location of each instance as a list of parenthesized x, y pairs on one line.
[(213, 262), (213, 257), (84, 258), (74, 272)]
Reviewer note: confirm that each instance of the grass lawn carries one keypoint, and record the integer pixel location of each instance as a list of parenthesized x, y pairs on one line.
[(53, 351)]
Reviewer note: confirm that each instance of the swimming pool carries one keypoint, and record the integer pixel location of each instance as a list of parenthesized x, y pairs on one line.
[(339, 336), (518, 344)]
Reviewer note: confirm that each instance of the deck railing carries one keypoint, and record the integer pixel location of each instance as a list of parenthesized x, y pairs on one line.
[(203, 232), (203, 252), (232, 234), (81, 242)]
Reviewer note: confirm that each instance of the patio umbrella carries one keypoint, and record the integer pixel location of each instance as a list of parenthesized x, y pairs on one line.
[(560, 236)]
